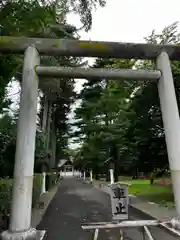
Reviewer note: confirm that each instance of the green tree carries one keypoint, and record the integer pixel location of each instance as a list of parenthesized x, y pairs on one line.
[(7, 145), (122, 119), (102, 121), (35, 19), (146, 129)]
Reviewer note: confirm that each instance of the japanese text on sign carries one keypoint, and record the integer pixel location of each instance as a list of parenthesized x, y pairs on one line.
[(119, 201)]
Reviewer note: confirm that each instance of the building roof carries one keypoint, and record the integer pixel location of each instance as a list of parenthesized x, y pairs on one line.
[(63, 161)]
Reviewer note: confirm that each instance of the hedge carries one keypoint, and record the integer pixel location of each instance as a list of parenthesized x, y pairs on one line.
[(6, 193), (37, 188), (50, 180)]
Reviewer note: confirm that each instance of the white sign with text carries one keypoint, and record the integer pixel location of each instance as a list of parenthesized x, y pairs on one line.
[(119, 201)]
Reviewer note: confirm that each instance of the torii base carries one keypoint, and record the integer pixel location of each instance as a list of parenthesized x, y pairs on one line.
[(31, 234)]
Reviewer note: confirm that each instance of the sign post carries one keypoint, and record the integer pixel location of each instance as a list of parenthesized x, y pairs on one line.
[(111, 175), (119, 201)]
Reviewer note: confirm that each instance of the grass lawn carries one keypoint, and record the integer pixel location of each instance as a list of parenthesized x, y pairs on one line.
[(153, 193)]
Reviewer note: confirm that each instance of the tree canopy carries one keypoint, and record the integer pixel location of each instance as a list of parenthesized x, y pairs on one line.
[(39, 19), (121, 119)]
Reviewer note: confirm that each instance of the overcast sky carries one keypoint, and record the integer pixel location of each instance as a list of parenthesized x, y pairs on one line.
[(127, 21)]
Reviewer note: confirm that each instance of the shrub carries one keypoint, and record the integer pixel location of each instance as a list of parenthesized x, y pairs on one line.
[(6, 193), (50, 180), (37, 187)]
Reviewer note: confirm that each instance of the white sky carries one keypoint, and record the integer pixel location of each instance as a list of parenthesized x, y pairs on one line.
[(128, 21)]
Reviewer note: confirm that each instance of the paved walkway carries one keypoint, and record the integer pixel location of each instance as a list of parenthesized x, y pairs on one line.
[(78, 203)]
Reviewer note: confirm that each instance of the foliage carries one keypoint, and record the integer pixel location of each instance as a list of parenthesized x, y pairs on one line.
[(40, 11), (84, 8), (34, 19), (7, 145), (37, 19), (121, 120), (6, 193), (37, 188), (40, 142), (8, 127), (50, 180)]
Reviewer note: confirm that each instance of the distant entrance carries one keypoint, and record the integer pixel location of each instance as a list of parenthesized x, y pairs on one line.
[(66, 168)]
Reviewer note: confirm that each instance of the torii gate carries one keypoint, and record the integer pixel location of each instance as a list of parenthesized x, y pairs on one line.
[(20, 223)]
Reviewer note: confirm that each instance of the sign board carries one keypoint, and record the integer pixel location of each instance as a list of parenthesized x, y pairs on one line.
[(119, 201)]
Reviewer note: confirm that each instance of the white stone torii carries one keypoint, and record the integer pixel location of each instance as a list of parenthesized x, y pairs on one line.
[(20, 222)]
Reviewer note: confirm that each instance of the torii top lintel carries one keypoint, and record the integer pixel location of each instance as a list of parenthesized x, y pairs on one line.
[(64, 47)]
